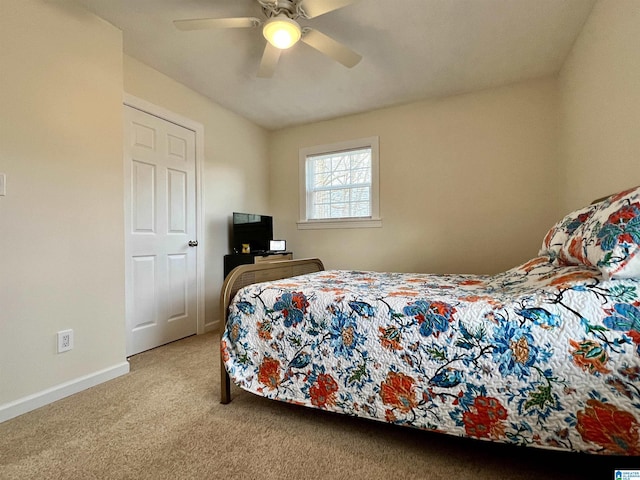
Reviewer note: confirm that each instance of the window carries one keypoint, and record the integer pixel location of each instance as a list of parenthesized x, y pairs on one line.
[(339, 185)]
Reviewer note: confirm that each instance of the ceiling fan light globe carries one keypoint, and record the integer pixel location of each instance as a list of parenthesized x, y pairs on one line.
[(282, 32)]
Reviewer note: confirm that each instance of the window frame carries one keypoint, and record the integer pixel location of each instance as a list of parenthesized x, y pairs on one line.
[(371, 221)]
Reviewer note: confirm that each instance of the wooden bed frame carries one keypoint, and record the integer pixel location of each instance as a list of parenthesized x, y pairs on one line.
[(245, 275)]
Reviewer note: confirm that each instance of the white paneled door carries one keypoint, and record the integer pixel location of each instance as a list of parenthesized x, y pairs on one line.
[(161, 243)]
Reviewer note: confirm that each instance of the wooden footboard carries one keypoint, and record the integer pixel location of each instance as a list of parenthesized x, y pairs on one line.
[(255, 273)]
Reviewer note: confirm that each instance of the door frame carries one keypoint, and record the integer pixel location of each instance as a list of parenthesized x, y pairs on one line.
[(172, 117)]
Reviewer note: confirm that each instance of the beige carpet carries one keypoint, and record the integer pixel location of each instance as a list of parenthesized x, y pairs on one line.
[(164, 421)]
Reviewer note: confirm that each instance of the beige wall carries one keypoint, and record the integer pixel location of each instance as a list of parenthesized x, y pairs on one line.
[(600, 108), (468, 183), (235, 170), (61, 222)]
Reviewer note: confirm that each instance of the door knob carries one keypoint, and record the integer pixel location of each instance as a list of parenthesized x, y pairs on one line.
[(193, 243)]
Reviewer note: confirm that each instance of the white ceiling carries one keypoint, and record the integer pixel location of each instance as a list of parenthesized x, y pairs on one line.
[(412, 50)]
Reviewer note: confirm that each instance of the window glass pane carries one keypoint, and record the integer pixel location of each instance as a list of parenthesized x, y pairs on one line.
[(321, 180), (361, 209), (339, 210), (339, 196), (339, 178), (321, 211), (322, 197), (322, 165), (360, 195), (360, 176)]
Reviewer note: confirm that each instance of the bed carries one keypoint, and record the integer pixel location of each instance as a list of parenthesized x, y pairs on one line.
[(546, 354)]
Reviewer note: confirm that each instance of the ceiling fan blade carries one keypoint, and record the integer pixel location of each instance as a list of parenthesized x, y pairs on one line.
[(269, 61), (204, 23), (330, 47), (315, 8)]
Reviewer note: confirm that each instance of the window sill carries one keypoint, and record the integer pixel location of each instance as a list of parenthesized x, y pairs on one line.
[(340, 223)]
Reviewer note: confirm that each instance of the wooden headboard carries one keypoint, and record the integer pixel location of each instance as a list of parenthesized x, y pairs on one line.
[(598, 200)]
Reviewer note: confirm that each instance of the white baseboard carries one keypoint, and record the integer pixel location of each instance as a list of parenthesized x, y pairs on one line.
[(212, 326), (45, 397)]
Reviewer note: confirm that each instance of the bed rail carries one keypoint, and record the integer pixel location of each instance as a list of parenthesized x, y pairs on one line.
[(245, 275)]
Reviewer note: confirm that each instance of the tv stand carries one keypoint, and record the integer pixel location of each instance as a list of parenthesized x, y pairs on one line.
[(235, 259)]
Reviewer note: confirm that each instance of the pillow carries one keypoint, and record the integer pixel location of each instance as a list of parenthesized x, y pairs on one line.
[(556, 238), (609, 238)]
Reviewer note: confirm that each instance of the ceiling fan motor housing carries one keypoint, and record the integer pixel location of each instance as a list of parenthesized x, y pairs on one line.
[(280, 7)]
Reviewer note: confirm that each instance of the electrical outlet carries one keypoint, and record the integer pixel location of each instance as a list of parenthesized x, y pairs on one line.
[(65, 340)]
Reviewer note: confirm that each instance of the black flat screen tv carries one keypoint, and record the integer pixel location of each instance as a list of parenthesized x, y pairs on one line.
[(255, 230)]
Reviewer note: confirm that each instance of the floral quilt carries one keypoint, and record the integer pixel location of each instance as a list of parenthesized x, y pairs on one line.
[(543, 354)]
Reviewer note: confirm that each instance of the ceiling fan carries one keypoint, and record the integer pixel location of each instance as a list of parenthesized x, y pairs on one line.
[(282, 30)]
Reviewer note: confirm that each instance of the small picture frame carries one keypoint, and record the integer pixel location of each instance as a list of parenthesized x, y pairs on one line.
[(277, 245)]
